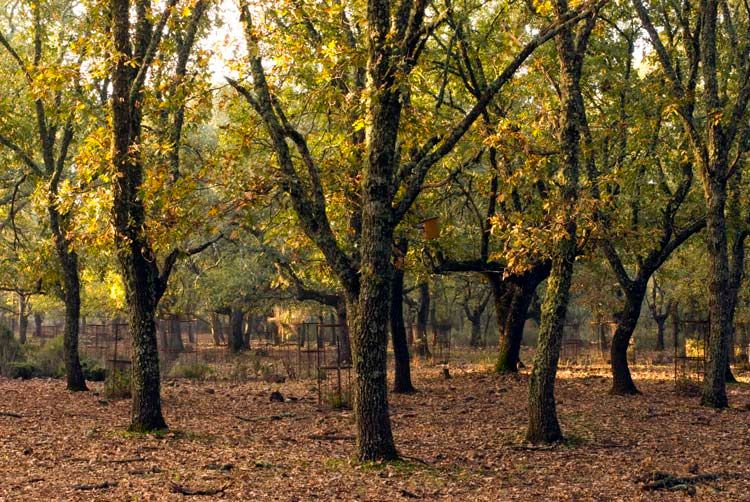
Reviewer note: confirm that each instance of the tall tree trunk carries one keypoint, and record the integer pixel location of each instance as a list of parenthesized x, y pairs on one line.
[(236, 338), (714, 385), (144, 284), (402, 383), (423, 315), (622, 381), (543, 426)]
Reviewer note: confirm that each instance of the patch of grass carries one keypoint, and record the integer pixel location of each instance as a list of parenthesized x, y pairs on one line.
[(192, 371), (118, 385)]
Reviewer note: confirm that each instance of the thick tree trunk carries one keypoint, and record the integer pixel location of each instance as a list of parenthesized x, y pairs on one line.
[(512, 299), (402, 381), (622, 381), (146, 412), (714, 385), (510, 335), (236, 338), (72, 292), (422, 348)]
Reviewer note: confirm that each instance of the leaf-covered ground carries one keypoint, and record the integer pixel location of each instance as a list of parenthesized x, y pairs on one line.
[(461, 440)]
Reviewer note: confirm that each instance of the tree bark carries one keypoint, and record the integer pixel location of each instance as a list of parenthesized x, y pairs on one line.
[(72, 295), (402, 383), (622, 381), (512, 298), (543, 426), (236, 338), (714, 385)]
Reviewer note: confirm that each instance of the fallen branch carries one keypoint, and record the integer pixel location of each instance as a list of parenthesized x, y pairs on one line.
[(9, 414), (331, 437), (184, 490), (96, 486), (665, 481), (531, 447), (123, 460), (266, 417)]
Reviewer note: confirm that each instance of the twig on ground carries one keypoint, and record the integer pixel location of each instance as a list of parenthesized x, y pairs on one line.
[(96, 486), (184, 490)]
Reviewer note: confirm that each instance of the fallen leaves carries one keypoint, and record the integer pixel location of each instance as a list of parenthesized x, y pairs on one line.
[(452, 447)]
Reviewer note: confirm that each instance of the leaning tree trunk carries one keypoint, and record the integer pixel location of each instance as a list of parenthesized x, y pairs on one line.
[(543, 425), (510, 337), (714, 384), (622, 381), (402, 383), (512, 300)]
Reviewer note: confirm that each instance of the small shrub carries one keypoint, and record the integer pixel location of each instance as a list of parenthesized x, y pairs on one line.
[(11, 352), (49, 359), (24, 370), (338, 401), (92, 370), (118, 385), (192, 371), (687, 388)]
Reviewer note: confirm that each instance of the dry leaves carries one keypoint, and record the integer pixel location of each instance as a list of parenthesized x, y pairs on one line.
[(460, 439)]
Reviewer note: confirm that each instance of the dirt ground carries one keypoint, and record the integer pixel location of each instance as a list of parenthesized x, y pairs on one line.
[(460, 438)]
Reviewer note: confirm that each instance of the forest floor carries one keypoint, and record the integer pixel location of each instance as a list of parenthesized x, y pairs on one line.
[(461, 440)]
